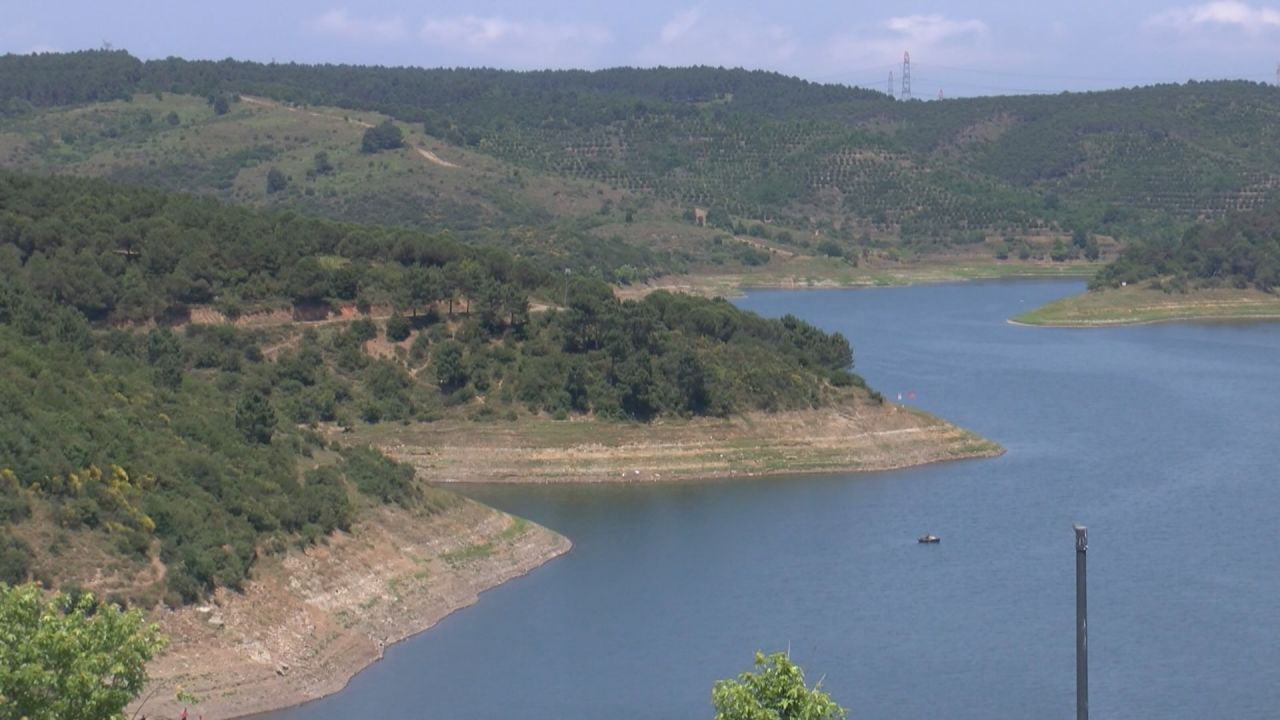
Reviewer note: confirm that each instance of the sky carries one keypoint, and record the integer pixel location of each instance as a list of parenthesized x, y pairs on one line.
[(958, 48)]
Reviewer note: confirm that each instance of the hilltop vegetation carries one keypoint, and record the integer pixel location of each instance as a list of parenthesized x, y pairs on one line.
[(132, 255), (191, 444), (1242, 250), (804, 167)]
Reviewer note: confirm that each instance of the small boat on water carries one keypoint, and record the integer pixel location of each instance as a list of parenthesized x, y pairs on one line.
[(928, 539)]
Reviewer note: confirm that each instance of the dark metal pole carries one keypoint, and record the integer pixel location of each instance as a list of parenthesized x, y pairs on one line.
[(1082, 625)]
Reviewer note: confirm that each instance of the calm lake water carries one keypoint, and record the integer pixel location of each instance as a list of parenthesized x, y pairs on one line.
[(1163, 439)]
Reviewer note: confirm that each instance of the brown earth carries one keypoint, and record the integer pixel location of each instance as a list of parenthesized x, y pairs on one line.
[(309, 621), (857, 436)]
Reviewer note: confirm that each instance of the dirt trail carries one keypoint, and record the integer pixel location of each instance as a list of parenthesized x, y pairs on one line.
[(426, 154), (432, 157)]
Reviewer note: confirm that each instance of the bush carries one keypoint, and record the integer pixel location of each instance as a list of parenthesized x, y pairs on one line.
[(276, 181), (377, 476), (397, 328), (15, 560), (385, 136)]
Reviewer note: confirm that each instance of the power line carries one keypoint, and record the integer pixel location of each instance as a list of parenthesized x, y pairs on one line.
[(906, 76)]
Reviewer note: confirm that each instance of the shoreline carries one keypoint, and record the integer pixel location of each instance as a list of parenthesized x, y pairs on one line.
[(311, 621), (1154, 321), (1120, 307), (736, 284), (852, 437)]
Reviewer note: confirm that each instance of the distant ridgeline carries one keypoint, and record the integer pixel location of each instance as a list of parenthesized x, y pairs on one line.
[(1242, 250), (191, 440), (761, 145)]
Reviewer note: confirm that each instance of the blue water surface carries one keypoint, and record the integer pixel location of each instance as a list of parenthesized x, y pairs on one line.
[(1162, 439)]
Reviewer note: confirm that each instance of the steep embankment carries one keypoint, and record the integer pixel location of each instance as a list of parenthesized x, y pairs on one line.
[(309, 621), (852, 437)]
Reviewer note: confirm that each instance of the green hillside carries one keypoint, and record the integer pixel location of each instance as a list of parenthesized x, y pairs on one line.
[(139, 421), (611, 164), (181, 143), (1240, 251), (758, 142)]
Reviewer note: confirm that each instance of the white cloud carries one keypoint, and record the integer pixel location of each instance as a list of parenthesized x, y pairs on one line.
[(679, 26), (692, 37), (936, 37), (1226, 14), (527, 43), (342, 24), (929, 30)]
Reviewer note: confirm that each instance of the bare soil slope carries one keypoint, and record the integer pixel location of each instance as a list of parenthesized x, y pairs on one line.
[(310, 621), (854, 437)]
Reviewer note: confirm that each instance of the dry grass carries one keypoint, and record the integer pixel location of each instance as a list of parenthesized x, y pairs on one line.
[(858, 436), (1134, 305), (807, 272)]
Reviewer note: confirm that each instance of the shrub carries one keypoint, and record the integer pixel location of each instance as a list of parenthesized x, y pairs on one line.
[(398, 328)]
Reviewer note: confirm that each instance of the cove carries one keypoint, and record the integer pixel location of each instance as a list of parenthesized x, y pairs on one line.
[(1162, 438)]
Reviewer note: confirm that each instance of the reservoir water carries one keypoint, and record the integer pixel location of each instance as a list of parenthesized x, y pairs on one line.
[(1163, 439)]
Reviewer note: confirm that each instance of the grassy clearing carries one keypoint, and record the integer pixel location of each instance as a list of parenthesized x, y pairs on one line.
[(471, 553), (230, 155), (1136, 305), (519, 526)]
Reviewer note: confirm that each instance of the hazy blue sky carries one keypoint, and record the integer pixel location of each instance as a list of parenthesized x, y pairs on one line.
[(964, 47)]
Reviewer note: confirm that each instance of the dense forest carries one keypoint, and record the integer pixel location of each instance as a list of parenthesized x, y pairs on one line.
[(115, 437), (1242, 250), (121, 416), (134, 406), (129, 254), (852, 164)]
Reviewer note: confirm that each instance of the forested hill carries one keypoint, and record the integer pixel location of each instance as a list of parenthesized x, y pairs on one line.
[(129, 431), (1240, 251), (852, 163)]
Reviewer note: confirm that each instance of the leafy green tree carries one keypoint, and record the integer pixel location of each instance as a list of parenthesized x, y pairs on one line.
[(385, 136), (306, 281), (451, 373), (164, 354), (397, 327), (63, 657), (172, 118), (323, 165), (276, 181), (255, 418), (1091, 249), (776, 692), (15, 557), (220, 104)]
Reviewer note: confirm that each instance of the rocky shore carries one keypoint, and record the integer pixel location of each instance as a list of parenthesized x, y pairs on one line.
[(311, 620)]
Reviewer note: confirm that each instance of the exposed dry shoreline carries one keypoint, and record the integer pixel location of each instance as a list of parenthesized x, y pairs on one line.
[(1140, 305), (859, 437), (310, 621)]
